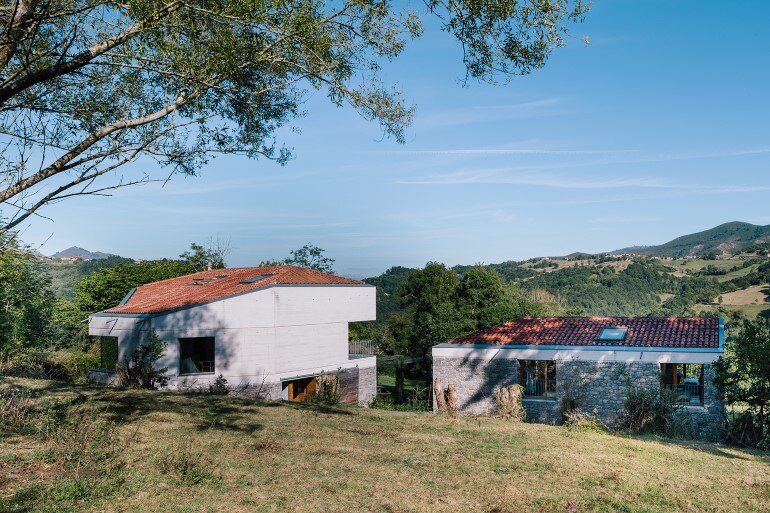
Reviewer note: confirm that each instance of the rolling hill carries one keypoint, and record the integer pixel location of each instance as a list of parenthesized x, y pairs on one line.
[(76, 251), (723, 240)]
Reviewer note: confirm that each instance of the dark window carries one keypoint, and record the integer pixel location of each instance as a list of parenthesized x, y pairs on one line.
[(684, 381), (612, 334), (108, 352), (196, 355), (538, 377)]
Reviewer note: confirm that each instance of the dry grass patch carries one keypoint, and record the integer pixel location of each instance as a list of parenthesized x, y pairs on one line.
[(754, 295), (197, 453)]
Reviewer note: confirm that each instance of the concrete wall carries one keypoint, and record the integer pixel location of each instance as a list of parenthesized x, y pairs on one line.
[(261, 338), (599, 386)]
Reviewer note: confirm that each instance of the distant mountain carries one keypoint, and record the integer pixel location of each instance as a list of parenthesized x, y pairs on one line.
[(725, 239), (75, 251)]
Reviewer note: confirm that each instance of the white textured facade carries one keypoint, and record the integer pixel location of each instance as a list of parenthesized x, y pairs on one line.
[(262, 338)]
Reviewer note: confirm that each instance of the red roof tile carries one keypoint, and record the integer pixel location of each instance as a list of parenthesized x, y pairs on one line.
[(676, 332), (207, 286)]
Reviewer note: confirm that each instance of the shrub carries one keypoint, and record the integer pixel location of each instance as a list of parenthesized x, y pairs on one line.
[(29, 364), (579, 420), (70, 365), (649, 411), (745, 430), (509, 402), (328, 391), (219, 386), (139, 370)]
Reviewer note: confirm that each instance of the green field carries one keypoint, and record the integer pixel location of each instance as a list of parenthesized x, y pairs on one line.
[(140, 451)]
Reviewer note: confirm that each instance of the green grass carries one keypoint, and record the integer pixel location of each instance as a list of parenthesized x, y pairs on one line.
[(202, 453)]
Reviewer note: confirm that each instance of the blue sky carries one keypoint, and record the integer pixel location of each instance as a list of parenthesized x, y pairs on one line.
[(659, 127)]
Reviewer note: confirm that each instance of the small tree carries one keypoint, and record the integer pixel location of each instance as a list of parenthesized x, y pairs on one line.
[(743, 373), (312, 257), (210, 256), (139, 370)]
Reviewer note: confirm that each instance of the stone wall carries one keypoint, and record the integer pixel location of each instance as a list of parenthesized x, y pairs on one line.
[(475, 380), (600, 388)]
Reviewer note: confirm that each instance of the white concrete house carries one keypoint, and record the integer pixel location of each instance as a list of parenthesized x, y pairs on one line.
[(273, 329)]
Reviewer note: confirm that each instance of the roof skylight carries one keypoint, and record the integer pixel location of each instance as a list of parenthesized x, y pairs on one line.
[(257, 278), (612, 334)]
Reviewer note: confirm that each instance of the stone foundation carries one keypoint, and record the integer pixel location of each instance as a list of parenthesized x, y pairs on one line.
[(600, 388), (367, 385)]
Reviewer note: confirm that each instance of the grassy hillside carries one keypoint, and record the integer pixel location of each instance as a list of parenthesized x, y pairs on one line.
[(160, 452), (725, 239)]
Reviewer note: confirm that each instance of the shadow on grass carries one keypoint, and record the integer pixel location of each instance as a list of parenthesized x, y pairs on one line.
[(715, 449), (22, 500)]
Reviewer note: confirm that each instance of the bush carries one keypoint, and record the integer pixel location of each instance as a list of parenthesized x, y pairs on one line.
[(70, 365), (219, 386), (328, 391), (745, 430), (139, 370), (578, 420), (649, 411)]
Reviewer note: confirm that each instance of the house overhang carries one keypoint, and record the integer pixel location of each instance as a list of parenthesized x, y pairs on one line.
[(622, 354), (150, 315)]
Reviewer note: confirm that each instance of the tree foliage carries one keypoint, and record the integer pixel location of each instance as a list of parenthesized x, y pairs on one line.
[(311, 257), (26, 304), (210, 256), (743, 374), (107, 287), (87, 86)]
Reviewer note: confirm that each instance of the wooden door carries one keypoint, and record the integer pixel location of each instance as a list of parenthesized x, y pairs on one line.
[(301, 389)]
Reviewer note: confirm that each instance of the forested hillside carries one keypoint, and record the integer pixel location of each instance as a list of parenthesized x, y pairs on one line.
[(723, 240), (623, 285)]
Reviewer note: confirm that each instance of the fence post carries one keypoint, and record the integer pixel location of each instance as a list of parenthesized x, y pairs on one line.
[(399, 381)]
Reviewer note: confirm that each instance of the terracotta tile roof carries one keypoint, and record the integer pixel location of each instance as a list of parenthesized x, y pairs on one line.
[(207, 286), (675, 332)]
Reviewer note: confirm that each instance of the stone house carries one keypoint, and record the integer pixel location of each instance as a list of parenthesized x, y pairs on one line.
[(590, 363), (268, 330)]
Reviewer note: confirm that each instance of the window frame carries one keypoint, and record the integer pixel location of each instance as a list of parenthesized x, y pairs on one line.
[(677, 386), (549, 379), (182, 340)]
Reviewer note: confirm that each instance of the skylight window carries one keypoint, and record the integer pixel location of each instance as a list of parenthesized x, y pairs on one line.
[(257, 278), (612, 334)]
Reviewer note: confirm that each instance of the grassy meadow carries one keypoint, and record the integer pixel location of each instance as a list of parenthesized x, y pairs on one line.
[(94, 449)]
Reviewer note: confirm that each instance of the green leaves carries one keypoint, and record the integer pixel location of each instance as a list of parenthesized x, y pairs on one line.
[(93, 86), (107, 287), (26, 305)]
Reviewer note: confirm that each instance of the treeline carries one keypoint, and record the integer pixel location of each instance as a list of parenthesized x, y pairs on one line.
[(436, 304), (408, 314), (47, 336)]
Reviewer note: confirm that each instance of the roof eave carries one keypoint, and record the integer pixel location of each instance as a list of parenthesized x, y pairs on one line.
[(107, 313)]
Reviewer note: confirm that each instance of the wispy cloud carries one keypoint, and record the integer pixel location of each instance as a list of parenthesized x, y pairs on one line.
[(487, 113), (506, 176)]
